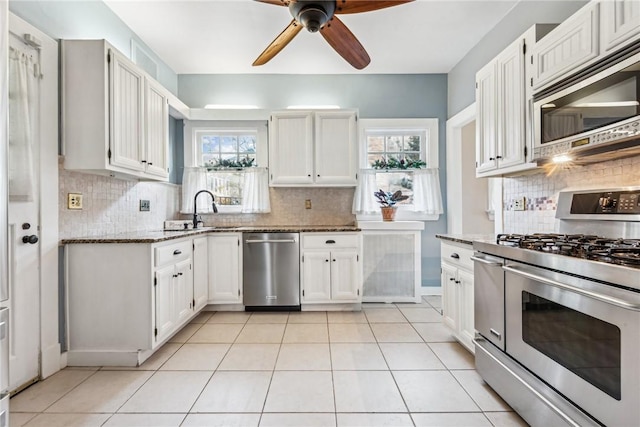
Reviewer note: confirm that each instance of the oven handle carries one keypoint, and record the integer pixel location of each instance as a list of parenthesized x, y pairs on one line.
[(484, 261), (594, 295)]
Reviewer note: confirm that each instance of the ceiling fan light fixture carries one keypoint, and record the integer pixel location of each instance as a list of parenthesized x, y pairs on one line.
[(313, 18)]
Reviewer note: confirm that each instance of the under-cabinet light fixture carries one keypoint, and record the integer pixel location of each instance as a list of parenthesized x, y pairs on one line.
[(313, 107), (231, 107), (562, 158)]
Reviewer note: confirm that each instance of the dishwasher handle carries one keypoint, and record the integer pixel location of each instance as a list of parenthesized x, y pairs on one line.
[(270, 241)]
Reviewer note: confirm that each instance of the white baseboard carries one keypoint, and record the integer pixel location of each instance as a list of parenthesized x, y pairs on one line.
[(431, 290)]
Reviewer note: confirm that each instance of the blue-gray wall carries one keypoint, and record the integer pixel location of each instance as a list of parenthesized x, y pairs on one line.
[(375, 96), (88, 20), (517, 21)]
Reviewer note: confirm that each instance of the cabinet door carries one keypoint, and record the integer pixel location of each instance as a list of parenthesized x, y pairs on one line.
[(224, 270), (316, 276), (200, 272), (511, 105), (336, 148), (291, 148), (345, 280), (450, 296), (620, 23), (156, 130), (126, 110), (183, 290), (565, 49), (467, 329), (486, 119), (164, 302)]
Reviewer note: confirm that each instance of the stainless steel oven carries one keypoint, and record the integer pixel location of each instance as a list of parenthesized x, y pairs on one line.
[(571, 347), (569, 331)]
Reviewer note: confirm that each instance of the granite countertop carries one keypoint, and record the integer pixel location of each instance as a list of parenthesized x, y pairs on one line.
[(467, 239), (155, 236)]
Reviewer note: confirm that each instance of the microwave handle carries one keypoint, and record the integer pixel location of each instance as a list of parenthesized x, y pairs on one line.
[(532, 132)]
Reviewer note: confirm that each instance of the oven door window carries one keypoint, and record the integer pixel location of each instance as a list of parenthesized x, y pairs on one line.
[(585, 345), (610, 100)]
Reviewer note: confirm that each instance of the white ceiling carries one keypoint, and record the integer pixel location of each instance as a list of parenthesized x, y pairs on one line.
[(226, 36)]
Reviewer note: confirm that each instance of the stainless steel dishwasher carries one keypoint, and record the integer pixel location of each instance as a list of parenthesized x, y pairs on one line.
[(271, 271)]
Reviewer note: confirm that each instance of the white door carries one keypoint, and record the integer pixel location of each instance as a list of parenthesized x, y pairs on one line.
[(224, 269), (165, 313), (291, 148), (336, 148), (157, 129), (200, 272), (24, 213), (316, 276), (344, 276)]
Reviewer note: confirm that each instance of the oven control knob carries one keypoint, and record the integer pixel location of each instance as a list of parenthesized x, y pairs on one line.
[(606, 202)]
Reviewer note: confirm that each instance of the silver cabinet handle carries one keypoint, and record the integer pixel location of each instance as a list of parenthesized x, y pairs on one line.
[(594, 295), (487, 262), (455, 256), (495, 333), (270, 241)]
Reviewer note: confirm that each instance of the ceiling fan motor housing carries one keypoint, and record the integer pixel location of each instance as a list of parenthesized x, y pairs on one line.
[(313, 15)]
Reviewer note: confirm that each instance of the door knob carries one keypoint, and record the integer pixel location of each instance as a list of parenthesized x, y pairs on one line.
[(30, 239)]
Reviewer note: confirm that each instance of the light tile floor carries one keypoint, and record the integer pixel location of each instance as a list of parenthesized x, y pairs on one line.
[(389, 365)]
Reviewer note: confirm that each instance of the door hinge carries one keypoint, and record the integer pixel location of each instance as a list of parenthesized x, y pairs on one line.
[(525, 152), (524, 48), (476, 164), (238, 292), (155, 332), (108, 57), (531, 82), (109, 153), (238, 242), (193, 303), (358, 291), (356, 176), (155, 281), (303, 292), (357, 258), (193, 246), (302, 258)]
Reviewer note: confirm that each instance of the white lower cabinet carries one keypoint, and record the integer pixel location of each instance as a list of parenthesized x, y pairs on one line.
[(331, 268), (225, 268), (200, 272), (127, 299), (457, 291)]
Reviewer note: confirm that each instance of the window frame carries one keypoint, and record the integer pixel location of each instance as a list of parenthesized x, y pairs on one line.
[(428, 153), (193, 152)]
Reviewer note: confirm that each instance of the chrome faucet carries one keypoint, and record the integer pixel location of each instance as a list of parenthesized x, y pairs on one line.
[(195, 206)]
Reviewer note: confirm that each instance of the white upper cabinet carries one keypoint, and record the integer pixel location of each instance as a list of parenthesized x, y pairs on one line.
[(115, 117), (308, 148), (620, 23), (503, 125), (569, 46)]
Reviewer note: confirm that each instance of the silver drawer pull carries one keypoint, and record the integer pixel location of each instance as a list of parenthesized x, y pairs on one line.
[(495, 333), (455, 256), (271, 241), (484, 261)]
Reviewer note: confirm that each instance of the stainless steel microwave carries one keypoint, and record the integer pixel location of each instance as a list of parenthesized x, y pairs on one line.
[(594, 115)]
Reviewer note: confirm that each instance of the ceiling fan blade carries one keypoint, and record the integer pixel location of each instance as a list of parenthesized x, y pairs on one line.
[(277, 2), (279, 43), (357, 6), (345, 43)]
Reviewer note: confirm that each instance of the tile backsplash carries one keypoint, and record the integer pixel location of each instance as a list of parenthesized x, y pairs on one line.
[(541, 191), (112, 205)]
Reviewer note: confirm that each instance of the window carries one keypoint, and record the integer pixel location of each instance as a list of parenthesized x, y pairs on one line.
[(225, 149), (392, 147)]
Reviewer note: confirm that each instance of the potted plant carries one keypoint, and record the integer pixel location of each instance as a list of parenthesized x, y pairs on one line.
[(388, 202)]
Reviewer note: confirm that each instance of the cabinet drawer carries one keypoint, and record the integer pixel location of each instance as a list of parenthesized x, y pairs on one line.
[(172, 253), (328, 241), (457, 254)]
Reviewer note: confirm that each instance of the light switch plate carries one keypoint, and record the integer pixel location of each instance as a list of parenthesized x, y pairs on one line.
[(74, 201), (520, 204), (145, 205)]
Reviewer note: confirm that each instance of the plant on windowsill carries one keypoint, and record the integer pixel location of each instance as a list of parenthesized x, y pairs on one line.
[(396, 163), (388, 202), (223, 164)]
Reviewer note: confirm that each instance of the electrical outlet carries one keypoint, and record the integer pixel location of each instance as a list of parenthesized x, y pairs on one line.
[(74, 201), (145, 205), (307, 204), (519, 204)]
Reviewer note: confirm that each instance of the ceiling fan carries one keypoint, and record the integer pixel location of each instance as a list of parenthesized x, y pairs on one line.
[(319, 15)]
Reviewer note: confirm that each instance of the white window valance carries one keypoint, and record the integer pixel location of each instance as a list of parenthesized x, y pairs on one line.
[(255, 190)]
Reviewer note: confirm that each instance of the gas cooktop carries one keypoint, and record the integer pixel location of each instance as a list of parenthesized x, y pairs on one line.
[(610, 250)]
